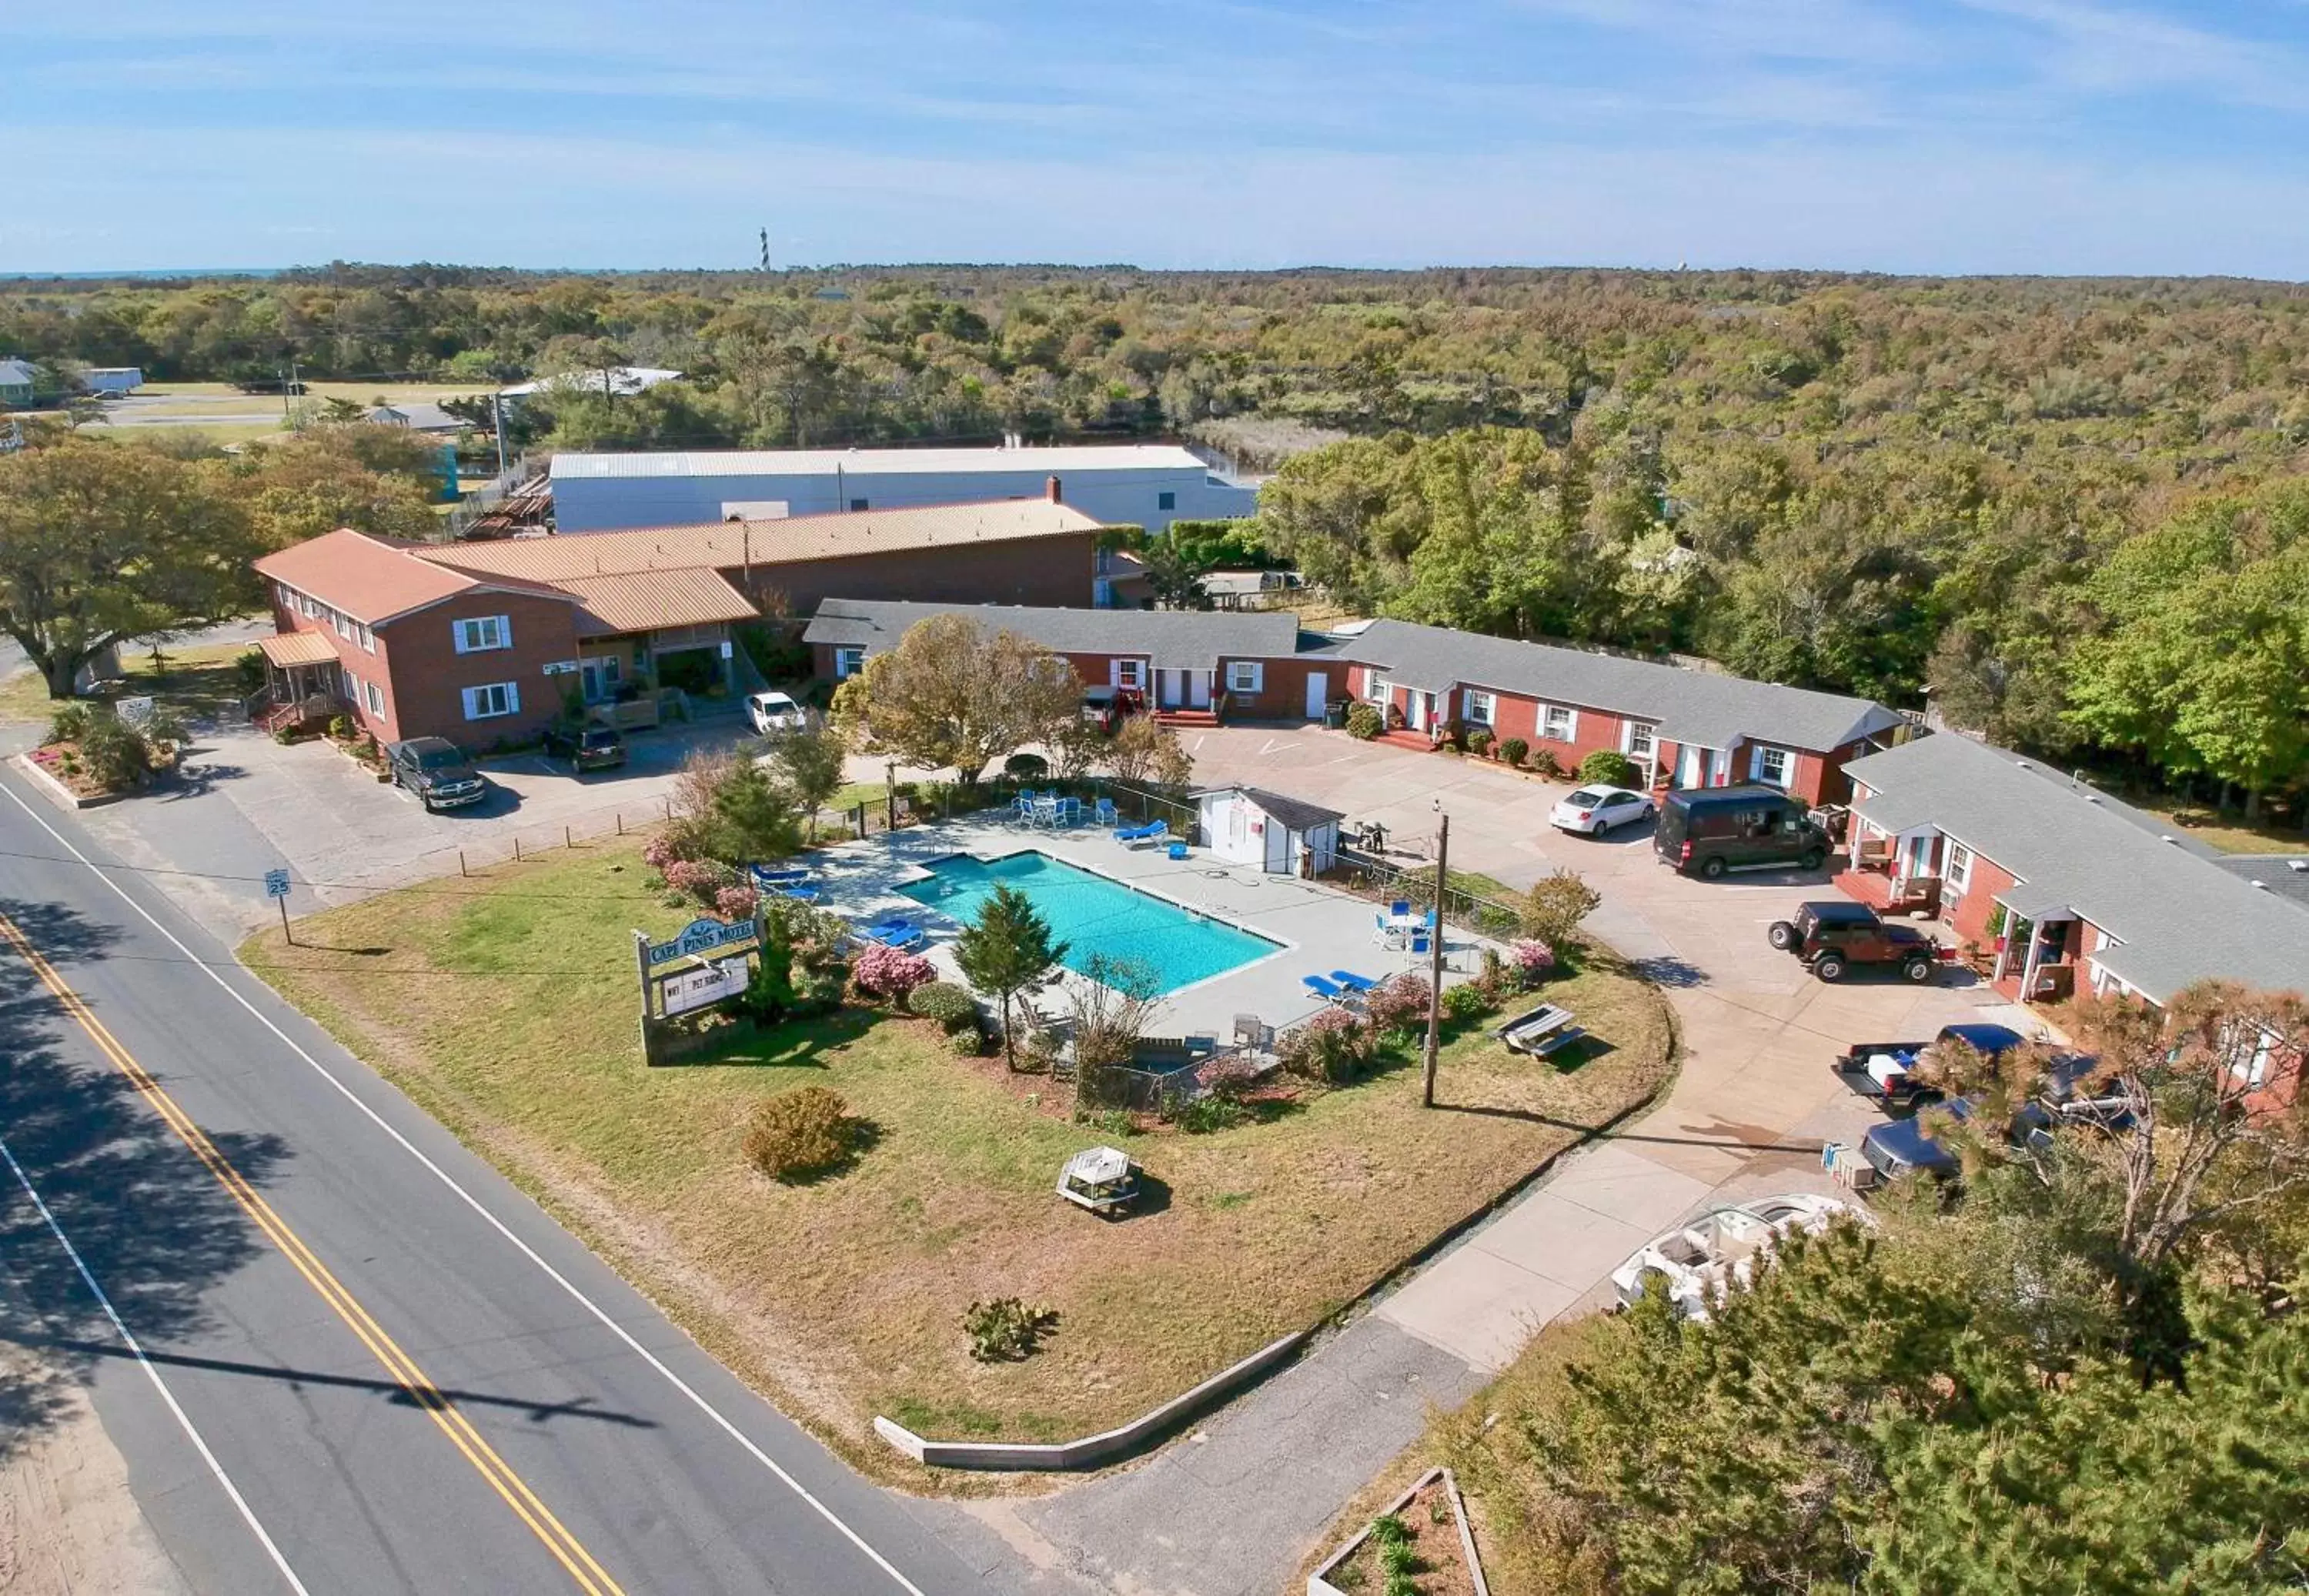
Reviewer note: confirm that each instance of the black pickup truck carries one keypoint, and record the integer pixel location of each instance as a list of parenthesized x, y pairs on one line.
[(1885, 1070)]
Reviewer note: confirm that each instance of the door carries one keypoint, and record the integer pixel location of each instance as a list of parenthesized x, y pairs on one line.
[(1414, 710), (1172, 689), (1278, 847), (1318, 695), (1690, 769), (1198, 689)]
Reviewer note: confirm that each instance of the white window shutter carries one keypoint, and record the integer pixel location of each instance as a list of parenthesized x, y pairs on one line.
[(505, 631), (513, 698), (471, 708), (457, 635)]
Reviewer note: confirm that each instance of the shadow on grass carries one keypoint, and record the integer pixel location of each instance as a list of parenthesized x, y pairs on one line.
[(795, 1044)]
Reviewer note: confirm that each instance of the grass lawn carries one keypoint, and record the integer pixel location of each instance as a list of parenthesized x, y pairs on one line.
[(843, 1298), (2228, 831), (192, 681)]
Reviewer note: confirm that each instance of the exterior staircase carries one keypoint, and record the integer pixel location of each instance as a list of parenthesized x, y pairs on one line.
[(1181, 718)]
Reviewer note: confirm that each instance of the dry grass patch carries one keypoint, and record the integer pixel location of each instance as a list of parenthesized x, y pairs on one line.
[(510, 1015)]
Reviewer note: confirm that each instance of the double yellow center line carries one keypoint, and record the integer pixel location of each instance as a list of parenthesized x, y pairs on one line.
[(566, 1547)]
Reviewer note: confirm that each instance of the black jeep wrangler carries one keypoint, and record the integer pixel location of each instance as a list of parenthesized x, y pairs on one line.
[(1831, 937)]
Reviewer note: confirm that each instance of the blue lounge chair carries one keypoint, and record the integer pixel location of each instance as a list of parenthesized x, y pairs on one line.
[(1144, 836), (1353, 982), (769, 881), (1330, 991), (800, 894), (894, 931)]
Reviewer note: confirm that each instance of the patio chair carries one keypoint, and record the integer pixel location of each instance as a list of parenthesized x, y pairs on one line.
[(1070, 811), (1328, 990), (1353, 982), (1421, 944), (1105, 813), (1400, 908)]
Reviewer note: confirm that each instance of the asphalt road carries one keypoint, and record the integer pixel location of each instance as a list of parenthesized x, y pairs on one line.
[(402, 1376)]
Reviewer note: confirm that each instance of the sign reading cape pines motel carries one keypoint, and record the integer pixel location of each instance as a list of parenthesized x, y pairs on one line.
[(708, 964)]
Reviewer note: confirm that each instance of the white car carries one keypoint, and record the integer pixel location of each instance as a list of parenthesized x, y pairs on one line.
[(1717, 1251), (1594, 810), (772, 713)]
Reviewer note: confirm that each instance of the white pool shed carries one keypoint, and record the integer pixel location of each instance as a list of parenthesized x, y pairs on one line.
[(1282, 836)]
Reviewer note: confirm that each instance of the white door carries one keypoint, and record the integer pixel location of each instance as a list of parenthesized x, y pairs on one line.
[(1174, 685), (1278, 847), (1414, 710), (1318, 694), (1198, 689)]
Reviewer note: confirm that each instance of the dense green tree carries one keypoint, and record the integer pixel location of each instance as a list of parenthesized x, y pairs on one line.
[(1007, 948)]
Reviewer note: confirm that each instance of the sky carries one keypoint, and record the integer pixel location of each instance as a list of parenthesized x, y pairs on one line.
[(2052, 136)]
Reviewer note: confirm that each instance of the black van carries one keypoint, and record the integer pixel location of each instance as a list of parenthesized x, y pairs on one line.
[(1709, 830)]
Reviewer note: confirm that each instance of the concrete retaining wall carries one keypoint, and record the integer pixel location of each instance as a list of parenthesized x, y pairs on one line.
[(1091, 1451)]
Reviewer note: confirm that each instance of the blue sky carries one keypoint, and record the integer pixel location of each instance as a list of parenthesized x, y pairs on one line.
[(1997, 135)]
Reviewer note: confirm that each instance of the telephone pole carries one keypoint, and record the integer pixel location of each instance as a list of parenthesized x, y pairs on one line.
[(1435, 968)]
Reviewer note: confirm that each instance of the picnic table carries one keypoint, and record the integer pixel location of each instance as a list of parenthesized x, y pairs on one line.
[(1541, 1031)]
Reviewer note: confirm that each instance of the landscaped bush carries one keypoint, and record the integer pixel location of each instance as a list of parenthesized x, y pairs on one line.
[(969, 1042), (1205, 1115), (1006, 1330), (1455, 734), (737, 903), (1026, 767), (1511, 751), (69, 723), (1399, 1003), (886, 974), (1479, 743), (1463, 1003), (342, 727), (804, 1132), (701, 879), (1545, 763), (118, 756), (1533, 961), (1610, 768), (1329, 1048), (951, 1005), (1364, 721)]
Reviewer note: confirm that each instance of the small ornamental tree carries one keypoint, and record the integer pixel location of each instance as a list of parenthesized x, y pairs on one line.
[(953, 696), (1553, 907), (1006, 949), (810, 763)]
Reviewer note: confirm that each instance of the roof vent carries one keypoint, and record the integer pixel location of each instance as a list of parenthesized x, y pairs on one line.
[(2022, 765), (2298, 867), (2094, 799), (2168, 837), (2261, 886)]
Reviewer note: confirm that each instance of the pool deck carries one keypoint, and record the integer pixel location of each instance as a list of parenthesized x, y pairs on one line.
[(1321, 929)]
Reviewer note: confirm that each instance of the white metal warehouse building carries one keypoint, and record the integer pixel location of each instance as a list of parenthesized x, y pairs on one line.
[(1148, 485)]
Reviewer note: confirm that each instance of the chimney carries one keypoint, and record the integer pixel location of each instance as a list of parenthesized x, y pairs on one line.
[(1053, 489)]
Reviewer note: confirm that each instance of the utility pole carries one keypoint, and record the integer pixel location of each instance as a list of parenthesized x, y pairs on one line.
[(1435, 970), (497, 426)]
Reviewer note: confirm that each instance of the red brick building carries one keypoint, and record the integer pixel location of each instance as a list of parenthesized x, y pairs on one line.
[(1681, 726), (481, 643)]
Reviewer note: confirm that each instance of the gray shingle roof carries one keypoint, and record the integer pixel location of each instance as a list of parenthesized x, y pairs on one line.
[(2180, 915), (15, 374), (1297, 813), (1694, 706), (2284, 875), (1172, 639)]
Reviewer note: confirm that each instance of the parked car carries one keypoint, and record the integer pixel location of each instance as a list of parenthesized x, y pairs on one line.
[(773, 714), (1833, 935), (1885, 1071), (1713, 1254), (437, 770), (1593, 810), (1709, 830), (592, 748)]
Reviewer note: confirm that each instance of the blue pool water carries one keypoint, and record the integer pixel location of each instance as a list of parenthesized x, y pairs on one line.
[(1094, 916)]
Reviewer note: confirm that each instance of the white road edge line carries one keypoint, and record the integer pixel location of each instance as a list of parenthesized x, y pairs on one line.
[(128, 1339), (445, 1179)]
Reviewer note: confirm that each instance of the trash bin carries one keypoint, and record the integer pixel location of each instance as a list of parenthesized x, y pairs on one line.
[(1335, 713)]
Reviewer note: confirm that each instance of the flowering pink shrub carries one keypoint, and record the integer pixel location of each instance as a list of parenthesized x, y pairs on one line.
[(1532, 961), (736, 902), (662, 851), (885, 973), (1330, 1046), (1399, 1003), (702, 879)]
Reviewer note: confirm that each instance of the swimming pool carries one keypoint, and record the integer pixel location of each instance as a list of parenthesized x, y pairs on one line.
[(1094, 916)]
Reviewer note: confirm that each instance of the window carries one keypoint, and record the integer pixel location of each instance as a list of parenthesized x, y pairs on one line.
[(1377, 688), (1130, 674), (1477, 706), (1245, 676), (848, 661), (1956, 872), (498, 698), (366, 638), (858, 503), (1639, 739), (374, 697), (1167, 501), (306, 607), (351, 682), (288, 596), (1558, 722), (1769, 764), (482, 632)]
